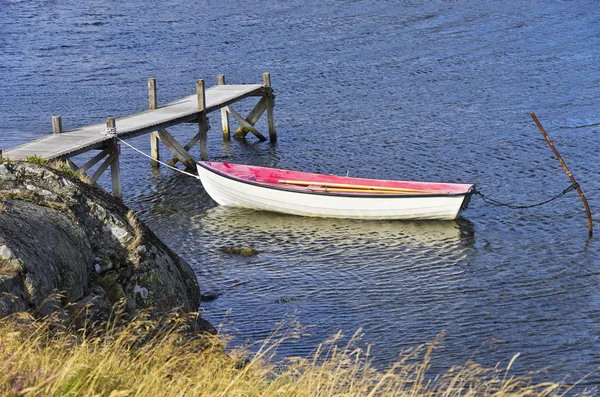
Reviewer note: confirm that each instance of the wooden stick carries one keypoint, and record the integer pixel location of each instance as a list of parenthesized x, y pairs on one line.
[(352, 186), (569, 174)]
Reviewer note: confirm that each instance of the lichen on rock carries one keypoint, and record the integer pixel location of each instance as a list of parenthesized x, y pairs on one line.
[(61, 235)]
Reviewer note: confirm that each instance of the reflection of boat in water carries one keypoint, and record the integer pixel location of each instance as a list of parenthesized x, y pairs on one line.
[(329, 196), (231, 221)]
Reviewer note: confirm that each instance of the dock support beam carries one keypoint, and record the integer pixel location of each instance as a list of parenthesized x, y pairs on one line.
[(252, 118), (56, 125), (180, 153), (202, 120), (224, 115), (270, 104), (266, 103), (154, 139), (248, 127)]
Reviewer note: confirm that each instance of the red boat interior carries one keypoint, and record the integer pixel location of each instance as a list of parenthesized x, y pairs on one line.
[(320, 182)]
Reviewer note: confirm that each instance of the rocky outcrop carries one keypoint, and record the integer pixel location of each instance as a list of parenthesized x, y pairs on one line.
[(65, 245)]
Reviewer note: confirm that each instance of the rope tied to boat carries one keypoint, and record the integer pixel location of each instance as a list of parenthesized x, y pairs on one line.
[(158, 161), (497, 203)]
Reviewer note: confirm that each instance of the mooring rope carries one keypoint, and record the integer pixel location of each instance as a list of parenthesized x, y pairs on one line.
[(158, 161), (475, 191), (497, 203)]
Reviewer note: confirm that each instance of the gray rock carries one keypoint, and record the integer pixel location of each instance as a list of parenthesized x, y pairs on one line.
[(10, 304), (6, 253), (11, 284), (93, 308), (54, 251), (61, 235), (142, 291)]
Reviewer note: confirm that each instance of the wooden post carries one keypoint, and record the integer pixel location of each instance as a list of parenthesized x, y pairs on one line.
[(111, 124), (203, 124), (152, 93), (56, 125), (224, 116), (270, 105), (115, 172), (201, 95), (154, 140)]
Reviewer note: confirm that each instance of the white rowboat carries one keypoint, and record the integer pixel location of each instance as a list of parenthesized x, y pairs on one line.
[(329, 196)]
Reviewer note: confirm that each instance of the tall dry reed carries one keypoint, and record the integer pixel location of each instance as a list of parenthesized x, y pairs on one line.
[(149, 358)]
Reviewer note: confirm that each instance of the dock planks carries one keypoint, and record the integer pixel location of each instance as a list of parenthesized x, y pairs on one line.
[(71, 143)]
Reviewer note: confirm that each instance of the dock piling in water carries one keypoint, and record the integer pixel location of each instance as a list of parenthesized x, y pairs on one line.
[(270, 103), (202, 119), (224, 115), (154, 139)]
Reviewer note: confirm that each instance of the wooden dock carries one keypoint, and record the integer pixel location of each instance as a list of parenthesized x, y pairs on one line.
[(63, 145)]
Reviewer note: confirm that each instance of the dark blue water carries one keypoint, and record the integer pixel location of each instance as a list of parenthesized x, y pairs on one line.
[(436, 91)]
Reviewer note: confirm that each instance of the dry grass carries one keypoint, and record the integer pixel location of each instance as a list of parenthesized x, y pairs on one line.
[(64, 167), (150, 359), (137, 230), (33, 198), (10, 266), (85, 178)]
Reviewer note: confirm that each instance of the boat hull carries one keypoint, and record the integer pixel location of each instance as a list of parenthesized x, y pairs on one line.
[(230, 191)]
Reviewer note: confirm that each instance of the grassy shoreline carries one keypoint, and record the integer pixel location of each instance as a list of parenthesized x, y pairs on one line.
[(150, 358)]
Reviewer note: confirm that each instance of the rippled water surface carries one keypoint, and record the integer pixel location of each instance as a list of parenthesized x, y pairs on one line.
[(435, 91)]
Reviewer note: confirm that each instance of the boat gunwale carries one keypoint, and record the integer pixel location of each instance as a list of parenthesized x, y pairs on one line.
[(204, 165)]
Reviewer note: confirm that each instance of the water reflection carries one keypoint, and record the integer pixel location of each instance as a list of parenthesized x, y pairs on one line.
[(224, 221)]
